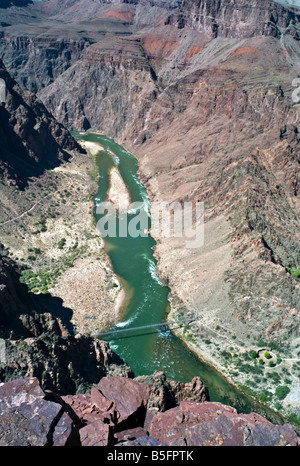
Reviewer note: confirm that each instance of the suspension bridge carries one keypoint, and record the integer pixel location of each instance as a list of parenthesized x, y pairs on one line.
[(162, 325)]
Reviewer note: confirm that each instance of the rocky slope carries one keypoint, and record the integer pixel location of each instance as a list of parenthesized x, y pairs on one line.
[(105, 68), (46, 222), (116, 413), (225, 132), (31, 139), (203, 95), (38, 340), (43, 167), (239, 19)]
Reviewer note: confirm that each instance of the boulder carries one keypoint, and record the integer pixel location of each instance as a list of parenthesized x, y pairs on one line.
[(113, 413), (166, 393), (130, 399), (214, 424), (26, 418), (19, 391), (130, 434), (100, 401), (64, 432), (87, 412), (95, 434)]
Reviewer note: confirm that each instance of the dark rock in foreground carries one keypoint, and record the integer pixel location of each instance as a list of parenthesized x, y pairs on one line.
[(115, 413)]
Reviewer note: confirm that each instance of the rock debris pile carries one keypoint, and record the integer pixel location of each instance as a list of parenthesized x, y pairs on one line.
[(119, 411)]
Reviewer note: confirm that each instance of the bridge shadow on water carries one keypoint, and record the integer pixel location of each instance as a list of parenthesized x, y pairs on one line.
[(167, 333), (109, 335)]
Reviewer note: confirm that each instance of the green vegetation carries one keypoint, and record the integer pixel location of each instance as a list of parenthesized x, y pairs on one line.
[(42, 280), (263, 396), (253, 354), (282, 391), (42, 226), (294, 419), (61, 243), (294, 271)]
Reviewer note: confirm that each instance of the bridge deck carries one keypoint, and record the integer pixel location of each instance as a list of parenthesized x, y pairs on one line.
[(142, 327)]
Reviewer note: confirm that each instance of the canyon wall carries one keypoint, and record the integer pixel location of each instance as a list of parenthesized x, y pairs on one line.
[(238, 18), (203, 96), (31, 139)]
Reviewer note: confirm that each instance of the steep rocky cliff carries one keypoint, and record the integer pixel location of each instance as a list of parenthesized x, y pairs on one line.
[(117, 86), (31, 139), (37, 61), (39, 340), (238, 19), (203, 95)]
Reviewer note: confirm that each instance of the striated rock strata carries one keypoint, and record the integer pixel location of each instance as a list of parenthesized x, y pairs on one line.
[(238, 18), (31, 139), (203, 95)]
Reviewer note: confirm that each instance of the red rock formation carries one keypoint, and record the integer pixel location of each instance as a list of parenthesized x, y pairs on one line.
[(31, 417)]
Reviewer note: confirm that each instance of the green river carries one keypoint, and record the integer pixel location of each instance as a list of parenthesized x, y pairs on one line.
[(149, 350)]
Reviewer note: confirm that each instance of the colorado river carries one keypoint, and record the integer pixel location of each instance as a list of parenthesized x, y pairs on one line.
[(149, 350)]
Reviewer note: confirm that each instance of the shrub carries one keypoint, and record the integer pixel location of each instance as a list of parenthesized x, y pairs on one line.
[(267, 355), (61, 243), (253, 354), (282, 391), (295, 272)]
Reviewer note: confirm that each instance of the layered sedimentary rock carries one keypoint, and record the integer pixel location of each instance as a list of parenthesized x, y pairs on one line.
[(106, 68), (37, 61), (204, 96), (238, 18), (31, 139)]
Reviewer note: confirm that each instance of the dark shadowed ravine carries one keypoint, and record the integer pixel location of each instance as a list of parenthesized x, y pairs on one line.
[(149, 350)]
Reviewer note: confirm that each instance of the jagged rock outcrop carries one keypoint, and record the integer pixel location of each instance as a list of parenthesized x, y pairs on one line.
[(37, 61), (238, 18), (39, 341), (31, 139), (214, 424), (30, 416), (166, 393), (105, 68)]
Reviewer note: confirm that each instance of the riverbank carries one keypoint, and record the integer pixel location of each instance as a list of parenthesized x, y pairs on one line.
[(96, 304), (233, 358), (53, 237), (168, 354), (195, 278), (92, 147)]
